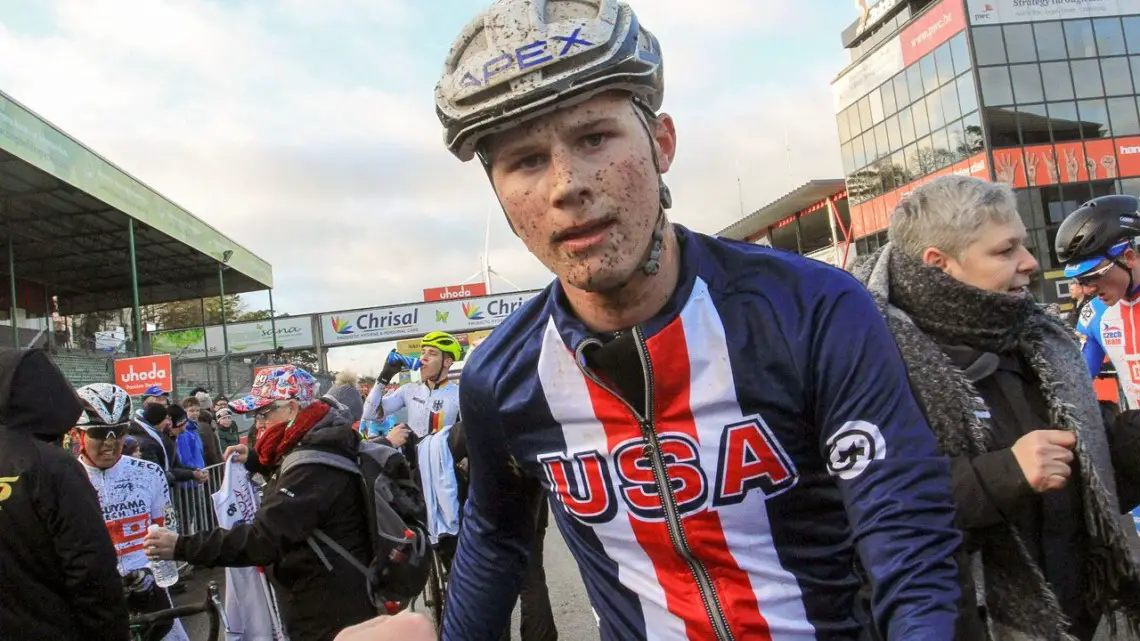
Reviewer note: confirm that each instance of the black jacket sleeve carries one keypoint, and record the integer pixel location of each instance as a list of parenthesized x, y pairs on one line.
[(86, 554), (287, 517), (987, 489), (1124, 442)]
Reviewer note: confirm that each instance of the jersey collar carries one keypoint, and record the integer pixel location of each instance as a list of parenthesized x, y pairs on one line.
[(573, 331)]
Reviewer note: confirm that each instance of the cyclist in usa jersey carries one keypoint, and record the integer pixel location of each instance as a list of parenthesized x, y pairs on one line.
[(725, 431), (1096, 244)]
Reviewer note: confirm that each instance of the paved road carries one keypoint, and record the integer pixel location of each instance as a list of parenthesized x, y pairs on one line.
[(568, 598)]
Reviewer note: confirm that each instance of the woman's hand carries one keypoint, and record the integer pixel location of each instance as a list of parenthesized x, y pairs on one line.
[(241, 451)]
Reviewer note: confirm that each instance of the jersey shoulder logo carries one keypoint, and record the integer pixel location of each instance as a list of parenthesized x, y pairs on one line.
[(852, 448), (1087, 313)]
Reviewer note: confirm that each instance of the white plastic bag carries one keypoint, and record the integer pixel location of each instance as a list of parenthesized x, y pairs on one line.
[(251, 609)]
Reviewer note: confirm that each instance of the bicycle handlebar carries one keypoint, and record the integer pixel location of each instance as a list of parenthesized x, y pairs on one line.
[(210, 606)]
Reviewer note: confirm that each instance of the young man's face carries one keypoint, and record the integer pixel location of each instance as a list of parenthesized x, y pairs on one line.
[(193, 412), (432, 361), (1108, 282), (155, 400), (580, 188), (103, 453)]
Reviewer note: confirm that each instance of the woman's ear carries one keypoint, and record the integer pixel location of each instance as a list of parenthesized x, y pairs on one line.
[(936, 258)]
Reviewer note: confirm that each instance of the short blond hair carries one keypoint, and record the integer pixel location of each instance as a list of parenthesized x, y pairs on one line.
[(346, 378), (949, 213)]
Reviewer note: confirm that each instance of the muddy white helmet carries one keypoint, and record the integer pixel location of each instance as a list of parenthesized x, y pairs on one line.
[(520, 59), (103, 404)]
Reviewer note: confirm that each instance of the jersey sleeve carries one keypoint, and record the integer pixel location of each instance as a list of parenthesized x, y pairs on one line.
[(1088, 325), (497, 529), (883, 455), (372, 402), (396, 400)]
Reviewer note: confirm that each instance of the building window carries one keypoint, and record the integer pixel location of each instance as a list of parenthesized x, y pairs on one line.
[(1027, 83), (1080, 39), (1050, 41), (1063, 121), (1094, 118), (1117, 76), (967, 97), (988, 45), (996, 88), (902, 91), (1132, 33), (961, 53), (1122, 116), (1019, 43), (1109, 37), (1033, 121), (944, 60), (914, 82), (1058, 83), (1086, 78)]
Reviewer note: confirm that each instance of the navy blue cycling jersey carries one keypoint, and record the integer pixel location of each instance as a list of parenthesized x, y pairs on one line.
[(779, 410)]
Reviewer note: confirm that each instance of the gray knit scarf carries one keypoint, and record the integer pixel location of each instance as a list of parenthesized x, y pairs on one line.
[(925, 308)]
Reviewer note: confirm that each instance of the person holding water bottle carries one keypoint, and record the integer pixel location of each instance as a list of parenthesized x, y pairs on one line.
[(433, 393), (134, 496)]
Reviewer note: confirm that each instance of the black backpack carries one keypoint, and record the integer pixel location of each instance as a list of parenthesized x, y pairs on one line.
[(396, 515)]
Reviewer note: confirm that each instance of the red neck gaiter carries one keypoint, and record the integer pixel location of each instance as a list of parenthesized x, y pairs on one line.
[(276, 440)]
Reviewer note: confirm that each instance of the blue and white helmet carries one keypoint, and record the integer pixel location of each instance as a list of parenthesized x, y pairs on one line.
[(103, 404), (521, 59)]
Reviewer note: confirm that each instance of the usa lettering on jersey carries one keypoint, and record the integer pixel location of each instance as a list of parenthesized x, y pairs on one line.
[(590, 484)]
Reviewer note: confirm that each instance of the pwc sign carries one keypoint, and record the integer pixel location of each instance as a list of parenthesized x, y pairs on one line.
[(137, 374), (454, 292)]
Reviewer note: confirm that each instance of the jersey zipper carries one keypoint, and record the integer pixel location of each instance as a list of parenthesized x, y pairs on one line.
[(652, 450)]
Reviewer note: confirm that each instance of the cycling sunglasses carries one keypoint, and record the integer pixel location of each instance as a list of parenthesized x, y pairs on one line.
[(104, 432), (1093, 276)]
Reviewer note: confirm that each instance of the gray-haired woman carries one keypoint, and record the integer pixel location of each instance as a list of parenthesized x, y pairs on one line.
[(1035, 471)]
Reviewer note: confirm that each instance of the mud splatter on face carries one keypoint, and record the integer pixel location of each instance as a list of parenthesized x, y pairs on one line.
[(580, 188)]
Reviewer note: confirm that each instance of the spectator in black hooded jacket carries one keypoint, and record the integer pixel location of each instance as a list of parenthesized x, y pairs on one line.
[(58, 575), (155, 445)]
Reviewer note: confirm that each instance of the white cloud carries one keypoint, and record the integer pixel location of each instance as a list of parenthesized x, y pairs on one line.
[(343, 184)]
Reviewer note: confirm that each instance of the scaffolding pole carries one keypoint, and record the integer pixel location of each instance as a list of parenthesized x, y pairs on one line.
[(135, 287), (12, 292), (225, 375), (273, 319), (206, 344)]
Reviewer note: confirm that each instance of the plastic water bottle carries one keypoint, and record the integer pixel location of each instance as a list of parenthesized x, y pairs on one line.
[(165, 572)]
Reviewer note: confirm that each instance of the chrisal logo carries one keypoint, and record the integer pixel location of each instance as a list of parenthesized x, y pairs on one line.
[(454, 292), (135, 375)]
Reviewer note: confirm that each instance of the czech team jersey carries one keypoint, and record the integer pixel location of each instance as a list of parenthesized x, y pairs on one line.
[(133, 494), (779, 411), (425, 405), (1114, 332)]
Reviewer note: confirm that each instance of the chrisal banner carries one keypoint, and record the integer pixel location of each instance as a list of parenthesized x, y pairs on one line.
[(137, 374), (937, 25), (452, 292)]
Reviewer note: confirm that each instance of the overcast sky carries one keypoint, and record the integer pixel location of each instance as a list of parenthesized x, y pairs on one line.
[(305, 129)]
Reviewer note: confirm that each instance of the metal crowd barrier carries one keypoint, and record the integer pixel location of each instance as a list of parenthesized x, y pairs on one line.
[(193, 507)]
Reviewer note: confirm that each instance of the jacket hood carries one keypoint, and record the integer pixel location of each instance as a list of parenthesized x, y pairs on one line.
[(35, 397), (333, 433), (349, 397)]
